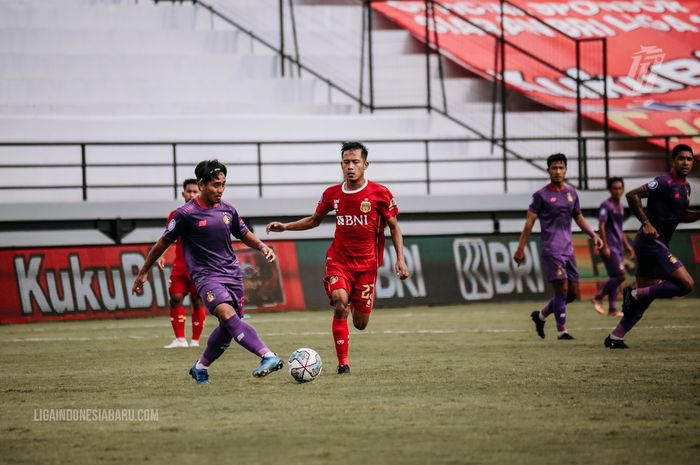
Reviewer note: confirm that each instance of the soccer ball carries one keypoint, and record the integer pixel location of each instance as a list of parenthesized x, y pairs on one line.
[(305, 365)]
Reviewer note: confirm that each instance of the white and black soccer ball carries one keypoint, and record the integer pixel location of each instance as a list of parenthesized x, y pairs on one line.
[(305, 365)]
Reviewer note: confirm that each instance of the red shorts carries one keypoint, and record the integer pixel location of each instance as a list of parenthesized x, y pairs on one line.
[(358, 284), (181, 283)]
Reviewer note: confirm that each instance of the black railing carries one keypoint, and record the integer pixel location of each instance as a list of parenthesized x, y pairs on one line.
[(431, 161)]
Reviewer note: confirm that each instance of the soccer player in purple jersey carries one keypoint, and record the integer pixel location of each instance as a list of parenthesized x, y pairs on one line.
[(660, 275), (205, 225), (615, 245), (556, 205)]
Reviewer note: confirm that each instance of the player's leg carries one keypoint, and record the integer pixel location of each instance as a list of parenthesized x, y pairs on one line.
[(679, 283), (337, 283), (616, 276), (616, 339), (565, 291), (553, 268), (177, 313), (199, 316), (223, 302), (362, 297)]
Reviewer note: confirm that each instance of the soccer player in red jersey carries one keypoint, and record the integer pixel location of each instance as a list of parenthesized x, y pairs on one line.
[(181, 284), (362, 210)]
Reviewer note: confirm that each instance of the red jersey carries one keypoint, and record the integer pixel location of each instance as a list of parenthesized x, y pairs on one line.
[(179, 265), (360, 219)]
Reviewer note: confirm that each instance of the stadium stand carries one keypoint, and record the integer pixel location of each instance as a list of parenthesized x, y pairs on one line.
[(113, 92)]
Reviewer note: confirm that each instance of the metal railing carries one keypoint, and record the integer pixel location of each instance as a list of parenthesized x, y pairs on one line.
[(433, 157)]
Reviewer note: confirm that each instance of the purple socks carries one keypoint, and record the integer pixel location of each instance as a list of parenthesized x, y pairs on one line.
[(238, 330), (610, 290), (663, 290)]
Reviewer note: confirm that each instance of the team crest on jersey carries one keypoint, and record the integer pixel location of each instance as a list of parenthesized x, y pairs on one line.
[(336, 204), (653, 184), (332, 280), (210, 296), (672, 260), (392, 203), (365, 206), (569, 197), (171, 225), (227, 218)]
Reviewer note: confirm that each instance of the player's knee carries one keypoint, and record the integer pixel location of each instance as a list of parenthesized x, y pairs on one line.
[(687, 285), (176, 302), (342, 310), (359, 325)]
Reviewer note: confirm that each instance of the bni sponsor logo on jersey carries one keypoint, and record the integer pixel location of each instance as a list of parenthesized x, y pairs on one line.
[(486, 269), (352, 220)]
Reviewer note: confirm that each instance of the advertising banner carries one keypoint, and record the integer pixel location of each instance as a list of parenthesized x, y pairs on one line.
[(653, 50), (76, 283)]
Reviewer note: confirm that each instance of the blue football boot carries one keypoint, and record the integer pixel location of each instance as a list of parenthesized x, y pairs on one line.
[(201, 376), (268, 365)]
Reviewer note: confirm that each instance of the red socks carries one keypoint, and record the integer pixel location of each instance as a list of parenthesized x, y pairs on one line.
[(199, 316), (177, 319), (341, 336)]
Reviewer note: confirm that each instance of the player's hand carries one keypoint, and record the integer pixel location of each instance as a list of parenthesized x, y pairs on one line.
[(269, 254), (140, 280), (401, 269), (629, 250), (275, 226), (605, 252), (649, 230), (519, 256), (161, 263), (598, 242)]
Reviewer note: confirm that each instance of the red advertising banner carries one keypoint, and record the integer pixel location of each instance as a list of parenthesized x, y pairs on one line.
[(78, 283), (653, 48)]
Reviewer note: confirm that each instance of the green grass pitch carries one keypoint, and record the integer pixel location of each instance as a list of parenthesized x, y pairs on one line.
[(468, 384)]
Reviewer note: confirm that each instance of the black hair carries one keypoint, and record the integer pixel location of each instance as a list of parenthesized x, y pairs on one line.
[(209, 169), (556, 157), (680, 148), (353, 146), (613, 180), (187, 182)]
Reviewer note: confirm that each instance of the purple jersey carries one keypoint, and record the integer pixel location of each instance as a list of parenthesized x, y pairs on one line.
[(555, 209), (668, 200), (611, 214), (206, 240)]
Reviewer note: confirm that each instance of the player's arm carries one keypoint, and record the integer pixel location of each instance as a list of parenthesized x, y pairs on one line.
[(530, 219), (690, 216), (634, 200), (397, 238), (253, 242), (303, 224), (156, 251), (583, 224), (604, 250)]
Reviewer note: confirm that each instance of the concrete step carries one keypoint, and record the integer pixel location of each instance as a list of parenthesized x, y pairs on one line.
[(156, 90), (130, 66)]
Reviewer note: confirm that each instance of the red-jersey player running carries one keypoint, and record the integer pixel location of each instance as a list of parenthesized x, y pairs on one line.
[(181, 284), (363, 209)]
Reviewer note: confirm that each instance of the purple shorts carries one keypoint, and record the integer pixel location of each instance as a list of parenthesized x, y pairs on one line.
[(654, 258), (214, 293), (558, 267), (615, 264)]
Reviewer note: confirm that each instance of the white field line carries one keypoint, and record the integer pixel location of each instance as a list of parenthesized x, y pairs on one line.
[(327, 333)]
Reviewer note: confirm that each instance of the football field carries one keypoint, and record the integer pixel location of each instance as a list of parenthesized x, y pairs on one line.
[(467, 384)]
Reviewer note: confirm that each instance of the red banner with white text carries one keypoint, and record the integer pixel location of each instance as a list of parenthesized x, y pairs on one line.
[(653, 49), (80, 283)]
